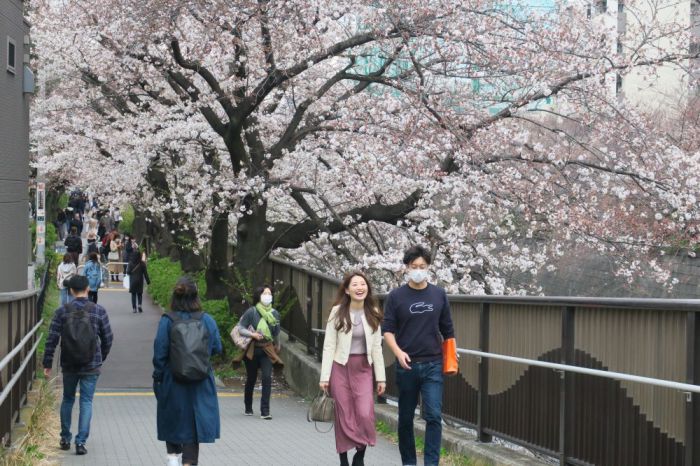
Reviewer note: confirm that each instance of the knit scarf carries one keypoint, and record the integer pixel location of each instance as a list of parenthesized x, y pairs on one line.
[(268, 320)]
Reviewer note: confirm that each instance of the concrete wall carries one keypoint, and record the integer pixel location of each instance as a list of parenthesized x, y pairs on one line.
[(14, 152)]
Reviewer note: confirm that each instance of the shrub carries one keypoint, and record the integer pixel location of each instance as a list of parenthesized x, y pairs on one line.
[(164, 273)]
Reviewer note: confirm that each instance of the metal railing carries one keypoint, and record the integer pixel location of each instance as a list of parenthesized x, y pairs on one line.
[(19, 323), (602, 381)]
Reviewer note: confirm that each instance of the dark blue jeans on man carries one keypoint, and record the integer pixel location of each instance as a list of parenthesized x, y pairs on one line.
[(424, 378), (87, 391)]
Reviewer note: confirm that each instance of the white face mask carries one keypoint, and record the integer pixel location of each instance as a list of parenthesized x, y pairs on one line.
[(418, 275), (266, 299)]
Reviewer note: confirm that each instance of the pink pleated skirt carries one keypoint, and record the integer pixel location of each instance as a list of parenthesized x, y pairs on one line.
[(352, 388)]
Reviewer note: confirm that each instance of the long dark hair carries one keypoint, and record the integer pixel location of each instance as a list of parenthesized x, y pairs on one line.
[(135, 258), (185, 296), (342, 300)]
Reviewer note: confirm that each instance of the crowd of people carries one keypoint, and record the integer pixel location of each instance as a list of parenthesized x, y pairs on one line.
[(414, 322)]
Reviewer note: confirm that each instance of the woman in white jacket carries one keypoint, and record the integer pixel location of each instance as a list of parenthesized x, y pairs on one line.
[(352, 354), (66, 269)]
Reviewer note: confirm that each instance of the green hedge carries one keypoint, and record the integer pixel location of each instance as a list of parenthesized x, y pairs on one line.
[(164, 273)]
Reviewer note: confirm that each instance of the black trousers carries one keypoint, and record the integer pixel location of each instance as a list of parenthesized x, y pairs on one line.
[(259, 361), (190, 451), (92, 296), (136, 297)]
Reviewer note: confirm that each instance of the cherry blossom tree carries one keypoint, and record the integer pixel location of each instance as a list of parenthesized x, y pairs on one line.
[(337, 133)]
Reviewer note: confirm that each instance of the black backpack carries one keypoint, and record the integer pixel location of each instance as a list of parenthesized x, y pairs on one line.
[(189, 348), (78, 339)]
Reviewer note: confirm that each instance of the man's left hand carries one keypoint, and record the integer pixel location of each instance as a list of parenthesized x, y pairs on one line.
[(47, 372)]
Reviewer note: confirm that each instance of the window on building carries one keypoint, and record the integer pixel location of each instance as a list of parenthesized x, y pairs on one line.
[(618, 83), (11, 55)]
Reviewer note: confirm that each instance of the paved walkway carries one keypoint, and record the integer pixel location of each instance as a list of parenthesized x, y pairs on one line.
[(123, 430)]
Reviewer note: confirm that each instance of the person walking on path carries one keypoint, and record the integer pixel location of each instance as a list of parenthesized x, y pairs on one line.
[(138, 273), (264, 349), (93, 272), (74, 245), (188, 411), (114, 255), (77, 223), (352, 351), (83, 329), (128, 247), (61, 224), (417, 319), (66, 269)]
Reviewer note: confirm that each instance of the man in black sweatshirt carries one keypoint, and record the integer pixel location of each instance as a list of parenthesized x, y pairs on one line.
[(416, 320)]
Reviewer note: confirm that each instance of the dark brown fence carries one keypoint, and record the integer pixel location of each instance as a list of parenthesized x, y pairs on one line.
[(581, 419)]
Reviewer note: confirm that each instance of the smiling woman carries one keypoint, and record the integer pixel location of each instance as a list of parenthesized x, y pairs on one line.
[(353, 344)]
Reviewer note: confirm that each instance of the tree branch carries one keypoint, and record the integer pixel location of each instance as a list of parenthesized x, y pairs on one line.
[(287, 235)]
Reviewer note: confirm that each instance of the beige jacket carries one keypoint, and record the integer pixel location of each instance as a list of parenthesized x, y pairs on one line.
[(336, 347)]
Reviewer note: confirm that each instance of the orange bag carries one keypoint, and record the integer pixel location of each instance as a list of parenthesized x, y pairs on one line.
[(450, 363)]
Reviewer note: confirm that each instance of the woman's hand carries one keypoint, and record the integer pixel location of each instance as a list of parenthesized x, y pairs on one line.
[(324, 386), (258, 336), (381, 388)]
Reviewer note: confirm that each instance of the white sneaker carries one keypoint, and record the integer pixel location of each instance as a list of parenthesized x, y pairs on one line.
[(174, 460)]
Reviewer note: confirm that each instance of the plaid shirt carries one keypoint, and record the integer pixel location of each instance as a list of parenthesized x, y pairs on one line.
[(100, 323)]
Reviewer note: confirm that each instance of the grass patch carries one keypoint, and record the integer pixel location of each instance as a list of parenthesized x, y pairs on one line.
[(36, 446), (446, 458), (51, 302)]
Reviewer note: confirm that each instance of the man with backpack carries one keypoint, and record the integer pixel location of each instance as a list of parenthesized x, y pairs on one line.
[(83, 329)]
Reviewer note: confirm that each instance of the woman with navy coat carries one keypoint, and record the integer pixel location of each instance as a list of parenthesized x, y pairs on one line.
[(188, 412)]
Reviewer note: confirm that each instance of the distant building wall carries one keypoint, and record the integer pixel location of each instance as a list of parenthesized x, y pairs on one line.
[(14, 150)]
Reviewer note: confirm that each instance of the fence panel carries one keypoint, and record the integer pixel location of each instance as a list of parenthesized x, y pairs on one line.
[(581, 419)]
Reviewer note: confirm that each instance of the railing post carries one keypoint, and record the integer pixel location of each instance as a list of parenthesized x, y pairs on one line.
[(482, 410), (319, 319), (692, 406), (309, 314), (292, 338), (566, 386)]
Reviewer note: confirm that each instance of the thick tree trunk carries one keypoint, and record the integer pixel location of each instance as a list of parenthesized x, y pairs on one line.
[(250, 253), (217, 275)]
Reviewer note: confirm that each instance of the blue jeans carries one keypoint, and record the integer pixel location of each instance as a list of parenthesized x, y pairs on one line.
[(66, 297), (87, 391), (424, 378)]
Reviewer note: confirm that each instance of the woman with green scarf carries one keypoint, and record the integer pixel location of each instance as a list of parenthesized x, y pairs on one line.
[(262, 323)]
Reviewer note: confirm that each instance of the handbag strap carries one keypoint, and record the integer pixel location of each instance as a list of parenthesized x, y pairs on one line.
[(308, 416)]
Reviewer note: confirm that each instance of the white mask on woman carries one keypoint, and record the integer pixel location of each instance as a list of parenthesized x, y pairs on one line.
[(266, 299)]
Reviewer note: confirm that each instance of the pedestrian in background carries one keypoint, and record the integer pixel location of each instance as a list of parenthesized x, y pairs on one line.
[(114, 255), (74, 245), (66, 269), (264, 349), (138, 273), (352, 351), (188, 411), (83, 329), (61, 224), (417, 319), (93, 272)]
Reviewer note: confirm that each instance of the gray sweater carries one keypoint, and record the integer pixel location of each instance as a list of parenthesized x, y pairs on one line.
[(252, 317)]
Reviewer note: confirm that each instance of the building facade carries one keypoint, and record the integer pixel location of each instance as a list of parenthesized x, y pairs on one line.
[(16, 84)]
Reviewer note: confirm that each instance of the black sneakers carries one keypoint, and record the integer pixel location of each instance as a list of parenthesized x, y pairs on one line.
[(266, 416), (80, 449), (65, 445)]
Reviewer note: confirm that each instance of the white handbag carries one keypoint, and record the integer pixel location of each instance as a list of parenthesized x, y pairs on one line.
[(126, 281)]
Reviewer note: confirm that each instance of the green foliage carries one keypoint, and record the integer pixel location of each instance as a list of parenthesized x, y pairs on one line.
[(164, 274), (282, 300), (127, 223)]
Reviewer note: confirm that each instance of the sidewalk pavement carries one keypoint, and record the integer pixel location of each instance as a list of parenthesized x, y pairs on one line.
[(123, 432), (123, 428)]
